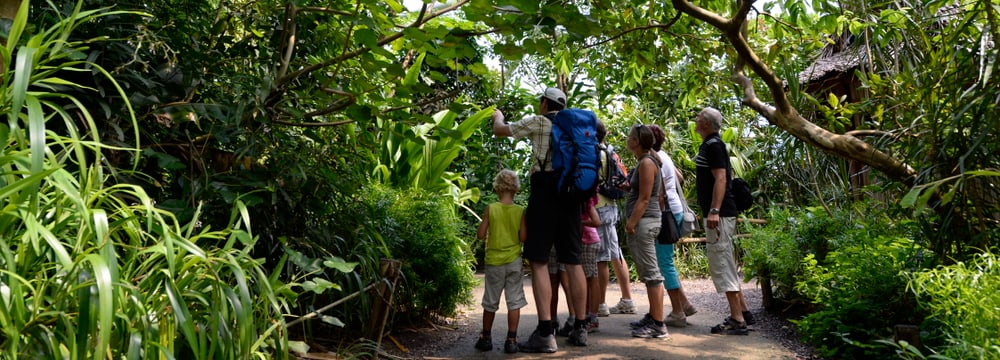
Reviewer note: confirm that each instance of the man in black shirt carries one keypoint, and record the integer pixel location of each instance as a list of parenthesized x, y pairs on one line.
[(719, 210)]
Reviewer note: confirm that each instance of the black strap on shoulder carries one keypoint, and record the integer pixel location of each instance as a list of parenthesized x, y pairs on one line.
[(548, 153)]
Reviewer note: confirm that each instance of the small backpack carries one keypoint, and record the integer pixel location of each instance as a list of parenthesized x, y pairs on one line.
[(613, 172), (575, 153), (742, 194)]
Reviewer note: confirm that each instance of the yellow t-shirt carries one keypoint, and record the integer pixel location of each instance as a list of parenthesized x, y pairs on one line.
[(503, 244)]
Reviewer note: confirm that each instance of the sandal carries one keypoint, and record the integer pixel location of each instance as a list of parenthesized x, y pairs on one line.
[(731, 327)]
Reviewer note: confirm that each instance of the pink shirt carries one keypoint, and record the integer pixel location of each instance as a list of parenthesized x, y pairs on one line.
[(590, 236)]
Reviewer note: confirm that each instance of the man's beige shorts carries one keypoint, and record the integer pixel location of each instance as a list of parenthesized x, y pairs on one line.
[(721, 258)]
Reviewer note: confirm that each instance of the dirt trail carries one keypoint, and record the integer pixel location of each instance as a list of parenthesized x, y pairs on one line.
[(613, 340)]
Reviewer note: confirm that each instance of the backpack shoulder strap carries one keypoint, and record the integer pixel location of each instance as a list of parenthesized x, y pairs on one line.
[(548, 153)]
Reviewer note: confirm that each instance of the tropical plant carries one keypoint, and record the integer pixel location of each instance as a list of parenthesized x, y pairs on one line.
[(93, 270), (859, 294), (968, 328)]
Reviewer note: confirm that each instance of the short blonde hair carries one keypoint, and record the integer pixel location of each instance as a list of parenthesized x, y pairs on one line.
[(506, 181)]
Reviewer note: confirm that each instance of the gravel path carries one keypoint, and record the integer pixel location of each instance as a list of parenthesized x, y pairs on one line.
[(773, 336)]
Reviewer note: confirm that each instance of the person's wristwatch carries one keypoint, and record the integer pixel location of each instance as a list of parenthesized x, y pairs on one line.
[(713, 211)]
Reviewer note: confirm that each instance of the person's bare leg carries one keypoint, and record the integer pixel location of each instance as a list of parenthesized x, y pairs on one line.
[(683, 298), (541, 289), (621, 272), (655, 301), (743, 303), (567, 291), (593, 295), (735, 309), (554, 303), (578, 290), (603, 277), (488, 317), (676, 303), (513, 320)]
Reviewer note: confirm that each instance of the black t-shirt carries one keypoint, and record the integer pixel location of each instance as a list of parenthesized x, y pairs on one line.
[(713, 155)]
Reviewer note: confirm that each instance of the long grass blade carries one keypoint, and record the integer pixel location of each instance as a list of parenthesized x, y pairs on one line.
[(36, 133), (22, 78), (105, 302), (182, 316)]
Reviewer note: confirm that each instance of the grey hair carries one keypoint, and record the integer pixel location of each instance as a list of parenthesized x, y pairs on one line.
[(713, 116)]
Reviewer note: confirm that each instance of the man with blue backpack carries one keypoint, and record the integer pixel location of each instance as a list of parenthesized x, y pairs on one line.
[(563, 164)]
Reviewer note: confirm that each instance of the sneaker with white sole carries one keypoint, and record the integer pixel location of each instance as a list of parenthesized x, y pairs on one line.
[(651, 330), (676, 320), (646, 320), (578, 337), (625, 306), (566, 328), (539, 344), (602, 310), (593, 325)]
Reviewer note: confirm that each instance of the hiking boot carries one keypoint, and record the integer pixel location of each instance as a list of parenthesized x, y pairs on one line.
[(651, 330), (539, 344), (646, 320), (748, 318), (676, 321), (484, 344), (690, 310), (625, 306), (567, 328), (731, 327), (578, 337), (602, 310), (510, 346)]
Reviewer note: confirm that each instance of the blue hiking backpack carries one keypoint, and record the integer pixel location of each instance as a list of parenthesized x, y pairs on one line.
[(575, 153)]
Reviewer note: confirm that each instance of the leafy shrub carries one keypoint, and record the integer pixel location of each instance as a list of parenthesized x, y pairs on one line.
[(777, 249), (848, 265), (93, 270), (860, 294), (772, 251), (964, 304), (691, 261), (422, 231)]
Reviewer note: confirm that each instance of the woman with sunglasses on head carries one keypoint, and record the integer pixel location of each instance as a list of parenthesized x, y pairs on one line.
[(642, 211)]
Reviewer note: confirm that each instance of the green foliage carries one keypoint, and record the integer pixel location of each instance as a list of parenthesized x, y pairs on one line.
[(97, 271), (963, 302), (691, 261), (419, 157), (850, 266), (935, 84), (860, 294), (422, 230), (775, 252)]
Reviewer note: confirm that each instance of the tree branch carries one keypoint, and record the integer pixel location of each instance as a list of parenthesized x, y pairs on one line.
[(866, 133), (322, 124), (647, 27), (325, 10), (699, 13), (358, 52), (425, 102), (784, 115)]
